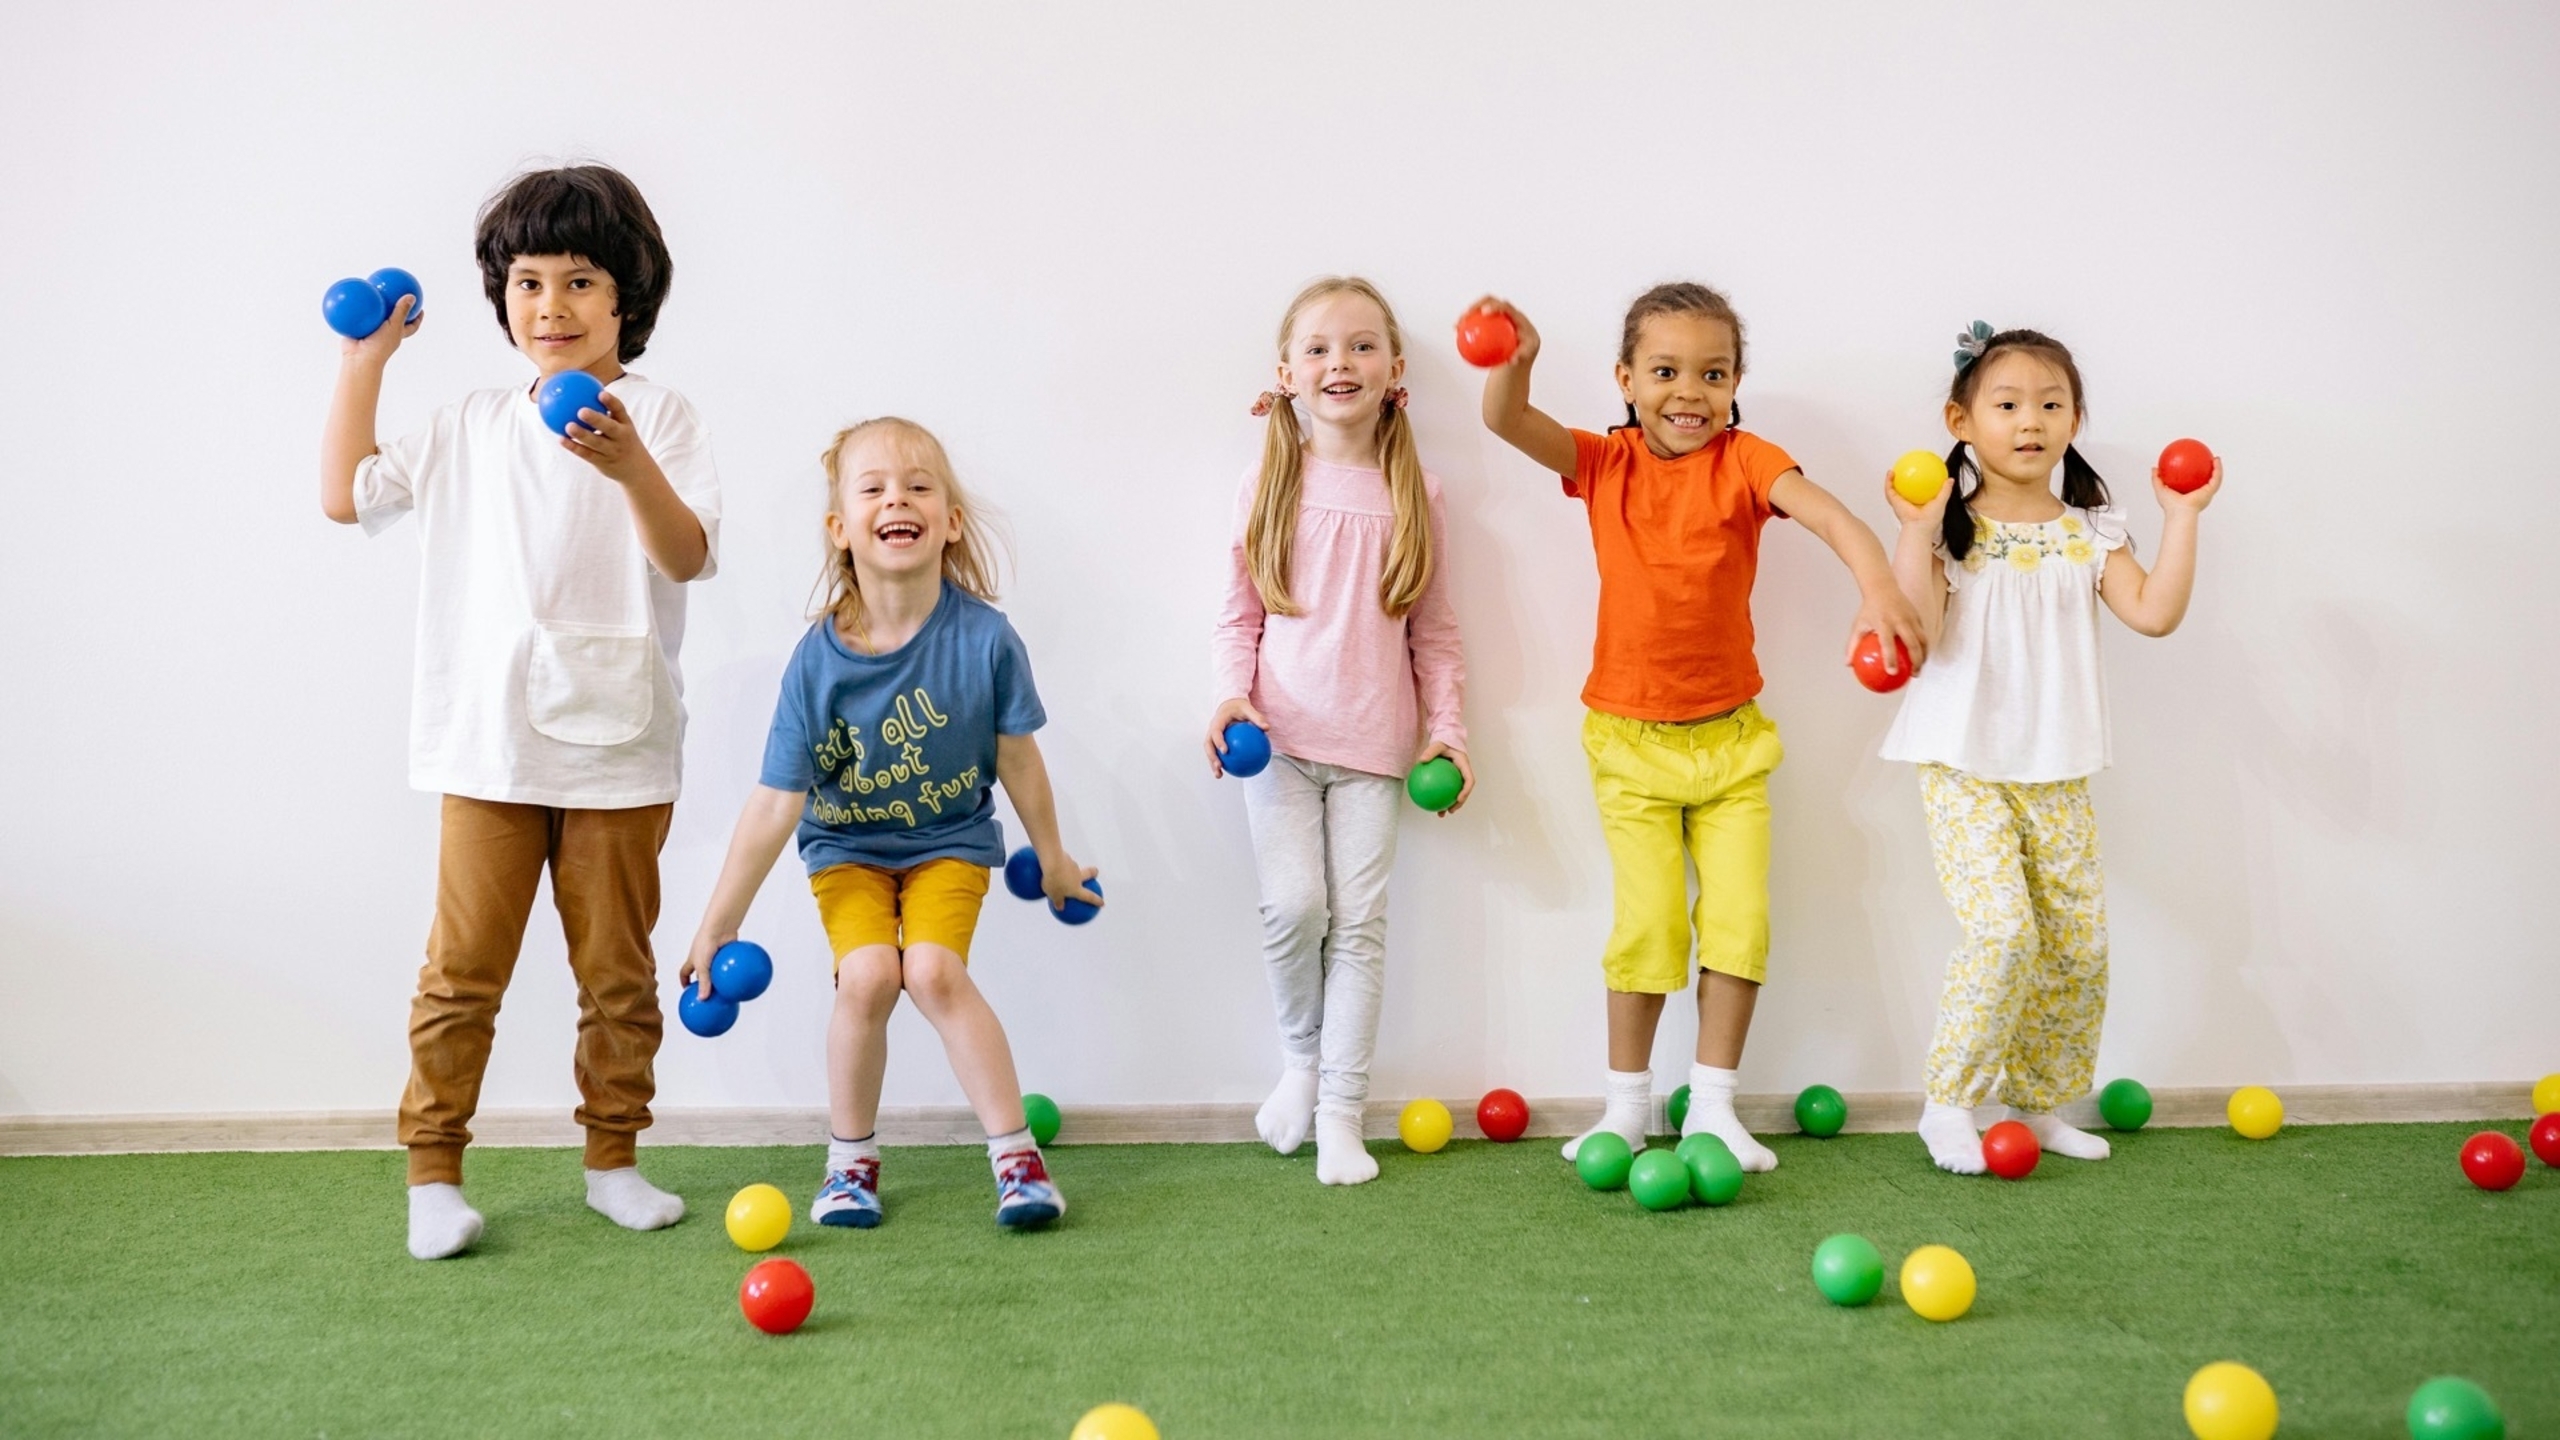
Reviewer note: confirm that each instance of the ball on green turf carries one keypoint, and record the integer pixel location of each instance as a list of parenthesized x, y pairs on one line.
[(2452, 1408), (1041, 1114), (2124, 1105), (1678, 1108), (1820, 1112), (1658, 1180), (1715, 1176), (1847, 1270), (1603, 1159)]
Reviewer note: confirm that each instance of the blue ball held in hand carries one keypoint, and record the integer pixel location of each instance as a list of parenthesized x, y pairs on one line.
[(740, 971), (561, 397), (1248, 749), (1022, 877), (357, 308), (705, 1018)]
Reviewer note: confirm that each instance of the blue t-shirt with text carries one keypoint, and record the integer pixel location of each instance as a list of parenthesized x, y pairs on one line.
[(897, 752)]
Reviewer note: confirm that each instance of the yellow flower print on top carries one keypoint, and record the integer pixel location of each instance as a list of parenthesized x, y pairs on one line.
[(2078, 551), (2070, 526), (2025, 558)]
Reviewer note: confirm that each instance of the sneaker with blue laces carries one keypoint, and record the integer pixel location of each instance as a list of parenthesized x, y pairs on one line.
[(851, 1196), (1025, 1197)]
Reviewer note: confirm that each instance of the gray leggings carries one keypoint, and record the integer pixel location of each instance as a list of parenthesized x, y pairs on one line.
[(1324, 838)]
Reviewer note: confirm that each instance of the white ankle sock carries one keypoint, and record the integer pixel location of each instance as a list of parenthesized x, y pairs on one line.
[(1010, 1143), (1630, 1105), (1711, 1113), (1341, 1157), (1986, 1116), (842, 1153), (2060, 1139), (622, 1197), (1283, 1119), (1953, 1142), (441, 1222)]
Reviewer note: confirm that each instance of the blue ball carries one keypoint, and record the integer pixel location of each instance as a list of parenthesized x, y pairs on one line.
[(1248, 749), (740, 970), (391, 282), (1076, 912), (1022, 874), (706, 1018), (561, 397), (354, 308)]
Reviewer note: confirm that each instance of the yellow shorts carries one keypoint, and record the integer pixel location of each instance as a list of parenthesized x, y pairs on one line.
[(1671, 796), (935, 903)]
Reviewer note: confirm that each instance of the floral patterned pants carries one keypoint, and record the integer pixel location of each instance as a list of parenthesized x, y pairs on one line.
[(2027, 990)]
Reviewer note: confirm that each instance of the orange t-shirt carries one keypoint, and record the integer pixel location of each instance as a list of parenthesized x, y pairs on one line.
[(1678, 543)]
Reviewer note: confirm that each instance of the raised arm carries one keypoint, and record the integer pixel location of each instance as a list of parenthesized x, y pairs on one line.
[(1916, 566), (2153, 603), (1025, 777), (1507, 411), (764, 827), (1882, 609), (347, 437)]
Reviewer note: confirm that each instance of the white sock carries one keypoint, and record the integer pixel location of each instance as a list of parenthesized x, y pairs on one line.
[(1629, 1106), (1986, 1116), (1341, 1156), (1012, 1142), (2060, 1139), (441, 1222), (1953, 1142), (842, 1153), (1711, 1113), (1283, 1119), (622, 1197)]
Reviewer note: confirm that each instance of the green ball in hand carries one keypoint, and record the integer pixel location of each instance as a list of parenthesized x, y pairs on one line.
[(1847, 1270), (1658, 1180), (2125, 1105), (1820, 1112), (1604, 1159), (1041, 1114), (1435, 783)]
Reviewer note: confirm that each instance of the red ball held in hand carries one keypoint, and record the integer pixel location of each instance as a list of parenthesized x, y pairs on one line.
[(1868, 661), (2493, 1161), (1487, 338), (2186, 466), (2010, 1149), (1502, 1115)]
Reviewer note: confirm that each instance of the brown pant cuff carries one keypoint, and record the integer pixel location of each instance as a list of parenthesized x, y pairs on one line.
[(435, 1164), (612, 1149)]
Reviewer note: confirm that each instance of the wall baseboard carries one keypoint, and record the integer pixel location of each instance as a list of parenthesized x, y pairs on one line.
[(1150, 1124)]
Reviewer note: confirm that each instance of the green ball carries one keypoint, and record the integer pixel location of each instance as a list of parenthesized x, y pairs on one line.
[(2125, 1105), (1693, 1146), (1847, 1270), (1820, 1112), (1041, 1114), (1715, 1177), (2451, 1408), (1659, 1181), (1435, 783), (1679, 1108), (1604, 1160)]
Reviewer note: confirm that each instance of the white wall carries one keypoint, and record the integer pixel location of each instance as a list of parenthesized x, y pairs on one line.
[(2320, 236)]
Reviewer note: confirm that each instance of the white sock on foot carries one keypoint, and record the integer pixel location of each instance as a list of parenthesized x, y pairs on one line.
[(1953, 1142), (622, 1197), (1711, 1113), (1341, 1156), (841, 1154), (441, 1222), (1986, 1116), (2060, 1139), (1629, 1106), (1283, 1119)]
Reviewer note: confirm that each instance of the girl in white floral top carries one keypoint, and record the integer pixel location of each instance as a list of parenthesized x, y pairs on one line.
[(2008, 719)]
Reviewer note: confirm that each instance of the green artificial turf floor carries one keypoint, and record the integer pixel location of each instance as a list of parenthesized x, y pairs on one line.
[(1481, 1291)]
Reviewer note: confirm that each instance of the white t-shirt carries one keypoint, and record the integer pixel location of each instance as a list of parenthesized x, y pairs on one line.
[(547, 643), (2013, 690)]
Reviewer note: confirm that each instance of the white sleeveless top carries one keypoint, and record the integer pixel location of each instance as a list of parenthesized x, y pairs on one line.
[(2013, 690)]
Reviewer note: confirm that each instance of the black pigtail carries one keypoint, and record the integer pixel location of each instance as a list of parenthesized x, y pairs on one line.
[(1955, 528), (2080, 483)]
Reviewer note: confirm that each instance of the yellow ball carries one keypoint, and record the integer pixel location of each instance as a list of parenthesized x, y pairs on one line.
[(2255, 1112), (1918, 476), (1114, 1421), (1424, 1126), (2546, 1094), (1937, 1283), (2227, 1400), (759, 1216)]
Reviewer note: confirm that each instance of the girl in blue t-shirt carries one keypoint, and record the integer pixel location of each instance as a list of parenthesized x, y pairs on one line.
[(904, 705)]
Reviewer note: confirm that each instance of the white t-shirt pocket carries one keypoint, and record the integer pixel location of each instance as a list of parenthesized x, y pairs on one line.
[(590, 684)]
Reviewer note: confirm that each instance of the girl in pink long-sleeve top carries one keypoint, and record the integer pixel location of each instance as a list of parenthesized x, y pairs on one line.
[(1338, 639)]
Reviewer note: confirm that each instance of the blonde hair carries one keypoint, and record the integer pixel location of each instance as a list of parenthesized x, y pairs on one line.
[(1274, 521), (970, 561)]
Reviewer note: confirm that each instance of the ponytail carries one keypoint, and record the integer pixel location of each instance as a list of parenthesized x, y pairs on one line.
[(2081, 487), (2080, 483), (1409, 557), (1273, 524)]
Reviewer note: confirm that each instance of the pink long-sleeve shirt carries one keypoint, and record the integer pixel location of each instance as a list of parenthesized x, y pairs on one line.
[(1343, 682)]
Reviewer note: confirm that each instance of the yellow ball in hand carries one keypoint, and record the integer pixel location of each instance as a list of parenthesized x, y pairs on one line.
[(2227, 1400), (759, 1216), (1424, 1126), (1937, 1283), (1918, 476), (1114, 1421), (2546, 1094), (2255, 1112)]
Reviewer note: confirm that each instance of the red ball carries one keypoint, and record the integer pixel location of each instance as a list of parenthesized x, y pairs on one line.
[(1502, 1115), (2186, 466), (1487, 338), (776, 1296), (2545, 1138), (2493, 1161), (2010, 1149), (1868, 662)]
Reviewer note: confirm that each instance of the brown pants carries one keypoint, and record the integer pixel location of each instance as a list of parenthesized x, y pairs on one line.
[(604, 879)]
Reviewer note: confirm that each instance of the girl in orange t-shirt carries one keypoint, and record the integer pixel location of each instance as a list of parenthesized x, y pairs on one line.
[(1680, 754)]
